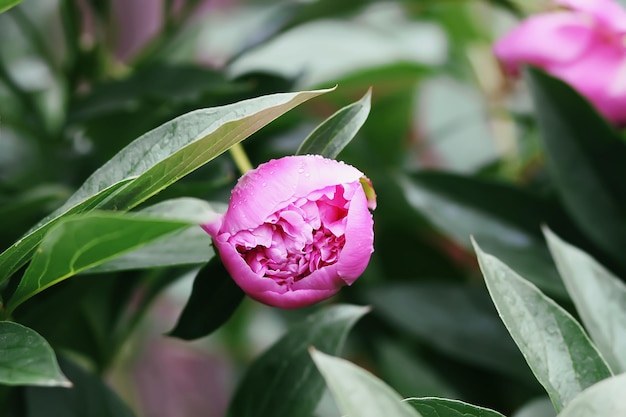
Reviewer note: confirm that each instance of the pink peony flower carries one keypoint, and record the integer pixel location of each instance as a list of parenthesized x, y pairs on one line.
[(296, 230), (582, 44)]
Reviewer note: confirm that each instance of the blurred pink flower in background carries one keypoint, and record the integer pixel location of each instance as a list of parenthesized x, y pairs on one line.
[(297, 229), (138, 21), (583, 44)]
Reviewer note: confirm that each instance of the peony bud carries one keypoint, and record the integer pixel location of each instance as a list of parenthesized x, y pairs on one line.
[(582, 44), (296, 230)]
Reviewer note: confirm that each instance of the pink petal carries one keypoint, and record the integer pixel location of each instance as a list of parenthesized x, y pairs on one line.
[(359, 240), (607, 92), (610, 15), (545, 39)]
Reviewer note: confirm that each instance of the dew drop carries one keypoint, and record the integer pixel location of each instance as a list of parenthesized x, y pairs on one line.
[(301, 170), (264, 184), (306, 174)]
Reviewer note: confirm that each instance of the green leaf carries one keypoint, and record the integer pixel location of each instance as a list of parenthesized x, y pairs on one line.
[(599, 296), (7, 4), (286, 370), (505, 219), (89, 397), (457, 320), (158, 159), (330, 137), (441, 407), (27, 359), (555, 346), (21, 251), (81, 242), (214, 298), (358, 392), (585, 157), (189, 246), (606, 399)]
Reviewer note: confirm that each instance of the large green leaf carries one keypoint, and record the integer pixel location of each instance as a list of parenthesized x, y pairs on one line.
[(27, 359), (214, 298), (89, 397), (283, 382), (188, 246), (555, 346), (504, 219), (587, 161), (599, 296), (80, 242), (158, 159), (457, 320), (7, 4), (442, 407), (358, 392), (329, 138), (606, 399)]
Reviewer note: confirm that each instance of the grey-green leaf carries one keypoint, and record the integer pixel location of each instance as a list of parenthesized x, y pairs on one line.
[(562, 357), (81, 242), (357, 392), (334, 134), (26, 358), (442, 407), (599, 296), (158, 159), (606, 399), (287, 369)]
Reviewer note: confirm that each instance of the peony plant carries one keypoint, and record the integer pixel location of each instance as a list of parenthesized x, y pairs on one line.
[(581, 43), (297, 229)]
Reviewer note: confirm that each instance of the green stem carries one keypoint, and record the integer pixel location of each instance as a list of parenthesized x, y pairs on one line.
[(240, 158)]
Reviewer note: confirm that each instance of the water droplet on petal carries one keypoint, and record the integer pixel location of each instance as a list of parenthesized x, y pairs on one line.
[(301, 170)]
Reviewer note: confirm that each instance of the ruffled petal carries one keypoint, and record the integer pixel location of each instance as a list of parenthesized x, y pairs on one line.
[(273, 184)]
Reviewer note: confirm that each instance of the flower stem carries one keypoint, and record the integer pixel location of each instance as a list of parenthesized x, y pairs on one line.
[(240, 158)]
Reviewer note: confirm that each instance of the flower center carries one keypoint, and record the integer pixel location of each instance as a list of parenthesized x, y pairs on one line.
[(295, 241)]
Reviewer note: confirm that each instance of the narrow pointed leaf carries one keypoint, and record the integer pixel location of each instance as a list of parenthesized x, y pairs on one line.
[(358, 392), (81, 242), (159, 158), (27, 359), (287, 368), (442, 407), (213, 300), (555, 346), (329, 138), (431, 313), (606, 399), (585, 158), (506, 220), (7, 4), (599, 296)]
